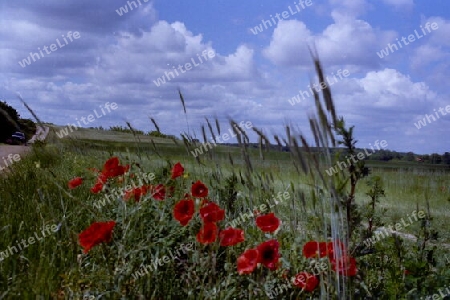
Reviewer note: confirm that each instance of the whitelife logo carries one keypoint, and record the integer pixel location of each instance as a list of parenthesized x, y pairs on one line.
[(282, 197), (411, 38), (65, 131), (360, 155), (188, 66), (285, 15), (31, 240), (118, 193), (124, 9), (378, 235), (423, 123), (11, 156), (318, 87), (33, 56)]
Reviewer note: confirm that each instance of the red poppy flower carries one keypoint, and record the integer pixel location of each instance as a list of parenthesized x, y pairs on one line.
[(247, 262), (95, 234), (313, 249), (183, 211), (97, 188), (207, 234), (177, 170), (306, 281), (268, 254), (268, 222), (158, 192), (111, 163), (344, 265), (231, 236), (73, 183), (331, 250), (198, 189), (211, 212), (120, 170), (111, 168)]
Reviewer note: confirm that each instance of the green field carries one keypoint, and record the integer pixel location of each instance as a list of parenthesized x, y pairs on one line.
[(35, 195)]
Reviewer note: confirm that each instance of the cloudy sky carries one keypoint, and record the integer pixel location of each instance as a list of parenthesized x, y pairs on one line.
[(388, 63)]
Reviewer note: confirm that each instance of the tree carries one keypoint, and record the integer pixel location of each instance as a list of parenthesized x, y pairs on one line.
[(356, 172), (9, 121), (409, 156), (156, 134), (435, 158), (446, 158)]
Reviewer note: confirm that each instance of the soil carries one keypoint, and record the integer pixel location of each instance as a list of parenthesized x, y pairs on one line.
[(6, 150)]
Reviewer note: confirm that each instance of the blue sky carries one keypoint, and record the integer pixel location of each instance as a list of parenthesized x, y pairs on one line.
[(251, 75)]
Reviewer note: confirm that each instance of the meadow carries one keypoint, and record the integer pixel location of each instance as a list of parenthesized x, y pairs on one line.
[(345, 208)]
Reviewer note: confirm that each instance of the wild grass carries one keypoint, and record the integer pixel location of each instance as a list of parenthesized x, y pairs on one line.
[(240, 178)]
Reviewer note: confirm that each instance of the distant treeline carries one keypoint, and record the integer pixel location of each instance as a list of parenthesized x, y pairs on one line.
[(434, 158), (153, 133), (378, 155)]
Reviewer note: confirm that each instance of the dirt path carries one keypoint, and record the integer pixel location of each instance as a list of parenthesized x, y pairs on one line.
[(10, 154)]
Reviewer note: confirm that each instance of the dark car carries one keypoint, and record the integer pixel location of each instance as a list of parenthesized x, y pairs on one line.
[(18, 138)]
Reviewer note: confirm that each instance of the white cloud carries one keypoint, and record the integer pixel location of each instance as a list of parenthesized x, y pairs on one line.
[(289, 44), (384, 105), (351, 8), (117, 60), (400, 4), (426, 54), (347, 41), (124, 72), (433, 54), (390, 89)]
